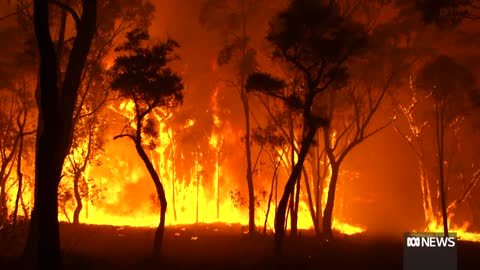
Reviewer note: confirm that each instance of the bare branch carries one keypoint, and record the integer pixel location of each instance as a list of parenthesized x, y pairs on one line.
[(345, 130), (70, 10), (124, 135), (382, 127), (8, 16)]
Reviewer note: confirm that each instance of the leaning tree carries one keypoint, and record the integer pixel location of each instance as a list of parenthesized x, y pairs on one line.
[(142, 75)]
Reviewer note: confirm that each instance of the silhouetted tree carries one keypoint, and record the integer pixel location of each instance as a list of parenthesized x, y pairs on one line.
[(56, 102), (10, 136), (114, 19), (13, 129), (142, 76), (312, 37), (352, 109), (230, 18), (449, 84), (445, 12), (271, 139), (26, 104), (287, 124)]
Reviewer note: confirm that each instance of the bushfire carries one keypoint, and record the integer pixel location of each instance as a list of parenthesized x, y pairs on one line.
[(232, 127)]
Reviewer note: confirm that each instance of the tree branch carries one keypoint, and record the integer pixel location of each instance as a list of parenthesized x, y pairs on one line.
[(124, 135), (70, 10)]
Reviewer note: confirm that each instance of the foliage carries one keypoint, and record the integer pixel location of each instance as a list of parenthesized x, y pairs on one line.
[(443, 12), (142, 73), (451, 84), (269, 136), (237, 199), (264, 82), (316, 39)]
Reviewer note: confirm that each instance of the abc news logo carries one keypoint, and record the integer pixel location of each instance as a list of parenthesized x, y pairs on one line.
[(431, 241), (423, 251)]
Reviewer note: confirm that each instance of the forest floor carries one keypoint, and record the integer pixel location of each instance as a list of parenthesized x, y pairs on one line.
[(217, 246)]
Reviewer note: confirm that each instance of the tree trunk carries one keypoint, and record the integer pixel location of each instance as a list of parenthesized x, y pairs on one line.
[(78, 198), (294, 218), (270, 196), (157, 244), (319, 188), (328, 212), (218, 186), (4, 174), (54, 132), (292, 198), (289, 188), (19, 170), (44, 235), (251, 194)]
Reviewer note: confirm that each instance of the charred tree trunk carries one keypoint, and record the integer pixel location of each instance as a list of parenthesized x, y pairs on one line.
[(328, 212), (268, 204), (3, 190), (158, 239), (4, 174), (270, 196), (157, 244), (294, 218), (19, 167), (44, 232), (291, 208), (292, 198), (55, 128), (335, 164), (76, 181), (319, 178), (319, 186), (289, 188), (78, 198), (20, 185), (246, 110), (251, 194)]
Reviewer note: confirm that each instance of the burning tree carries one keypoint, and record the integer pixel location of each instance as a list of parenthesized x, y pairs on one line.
[(270, 139), (230, 18), (115, 18), (433, 118), (17, 117), (13, 129), (314, 39), (355, 110), (142, 76), (449, 85), (287, 124)]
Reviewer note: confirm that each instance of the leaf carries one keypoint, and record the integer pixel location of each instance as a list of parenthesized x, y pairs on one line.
[(265, 83)]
